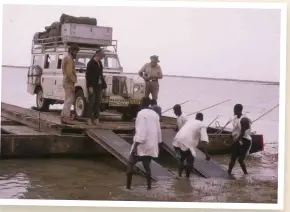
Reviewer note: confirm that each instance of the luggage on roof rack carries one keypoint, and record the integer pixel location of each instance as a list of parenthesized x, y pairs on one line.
[(77, 33)]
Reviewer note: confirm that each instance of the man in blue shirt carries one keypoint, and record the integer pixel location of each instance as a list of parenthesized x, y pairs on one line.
[(155, 107)]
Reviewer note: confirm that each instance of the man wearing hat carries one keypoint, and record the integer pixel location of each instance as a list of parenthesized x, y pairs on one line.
[(151, 73), (95, 83)]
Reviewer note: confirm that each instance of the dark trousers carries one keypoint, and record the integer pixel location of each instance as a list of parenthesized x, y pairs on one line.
[(146, 161), (184, 156), (95, 100), (239, 152)]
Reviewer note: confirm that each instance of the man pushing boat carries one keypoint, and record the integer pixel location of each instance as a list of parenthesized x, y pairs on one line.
[(186, 140)]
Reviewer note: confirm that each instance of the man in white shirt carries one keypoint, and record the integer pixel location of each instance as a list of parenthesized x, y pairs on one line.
[(241, 136), (181, 117), (146, 141), (186, 141)]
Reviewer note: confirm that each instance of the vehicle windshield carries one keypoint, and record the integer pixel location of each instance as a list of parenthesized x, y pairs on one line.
[(83, 59), (109, 61)]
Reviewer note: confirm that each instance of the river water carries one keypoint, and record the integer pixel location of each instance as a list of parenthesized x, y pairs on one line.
[(103, 178)]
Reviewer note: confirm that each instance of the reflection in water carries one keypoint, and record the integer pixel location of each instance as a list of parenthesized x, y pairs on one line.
[(13, 186), (94, 180)]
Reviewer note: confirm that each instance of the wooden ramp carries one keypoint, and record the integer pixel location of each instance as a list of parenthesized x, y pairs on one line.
[(203, 167), (121, 149)]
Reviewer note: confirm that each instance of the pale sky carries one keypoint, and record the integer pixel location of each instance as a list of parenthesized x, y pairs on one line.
[(222, 43)]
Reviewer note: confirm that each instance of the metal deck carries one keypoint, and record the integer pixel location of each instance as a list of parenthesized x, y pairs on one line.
[(203, 167), (121, 149), (50, 121)]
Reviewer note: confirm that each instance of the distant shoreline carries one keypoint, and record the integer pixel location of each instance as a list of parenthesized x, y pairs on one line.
[(204, 78)]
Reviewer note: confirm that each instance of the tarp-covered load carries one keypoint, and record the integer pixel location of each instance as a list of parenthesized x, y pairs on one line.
[(77, 20), (54, 30)]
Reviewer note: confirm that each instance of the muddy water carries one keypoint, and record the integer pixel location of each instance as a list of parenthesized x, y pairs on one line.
[(103, 178)]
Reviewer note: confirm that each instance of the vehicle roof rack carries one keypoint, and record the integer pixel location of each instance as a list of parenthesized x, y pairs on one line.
[(60, 44)]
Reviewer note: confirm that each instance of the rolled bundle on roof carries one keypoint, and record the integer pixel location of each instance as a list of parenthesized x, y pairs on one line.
[(64, 18), (54, 26)]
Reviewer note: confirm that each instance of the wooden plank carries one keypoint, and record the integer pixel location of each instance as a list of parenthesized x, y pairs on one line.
[(121, 149), (21, 130), (205, 168)]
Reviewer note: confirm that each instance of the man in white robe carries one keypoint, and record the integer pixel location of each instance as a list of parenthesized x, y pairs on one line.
[(242, 140), (181, 117), (186, 141), (146, 141)]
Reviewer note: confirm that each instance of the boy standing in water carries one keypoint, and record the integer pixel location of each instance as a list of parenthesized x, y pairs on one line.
[(241, 135)]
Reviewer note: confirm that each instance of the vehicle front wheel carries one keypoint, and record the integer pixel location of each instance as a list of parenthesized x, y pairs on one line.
[(80, 105), (42, 103), (130, 114)]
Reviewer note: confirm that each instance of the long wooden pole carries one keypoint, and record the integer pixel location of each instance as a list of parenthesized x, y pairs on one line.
[(209, 107), (252, 121), (213, 121), (220, 131), (172, 107), (265, 113)]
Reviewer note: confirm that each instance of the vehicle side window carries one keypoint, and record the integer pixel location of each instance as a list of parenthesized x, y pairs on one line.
[(38, 60), (59, 61), (49, 61)]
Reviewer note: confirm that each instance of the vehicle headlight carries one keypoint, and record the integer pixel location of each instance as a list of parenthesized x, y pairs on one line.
[(136, 88)]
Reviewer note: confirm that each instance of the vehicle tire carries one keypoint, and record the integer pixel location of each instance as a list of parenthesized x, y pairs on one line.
[(133, 112), (130, 114), (42, 103), (80, 105), (126, 116)]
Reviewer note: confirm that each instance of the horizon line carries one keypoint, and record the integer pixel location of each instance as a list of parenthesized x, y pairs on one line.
[(184, 76)]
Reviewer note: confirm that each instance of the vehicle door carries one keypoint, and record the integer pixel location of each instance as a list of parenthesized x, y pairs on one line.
[(48, 80), (59, 90)]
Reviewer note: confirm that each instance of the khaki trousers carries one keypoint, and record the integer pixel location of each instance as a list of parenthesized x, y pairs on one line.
[(69, 97), (152, 87)]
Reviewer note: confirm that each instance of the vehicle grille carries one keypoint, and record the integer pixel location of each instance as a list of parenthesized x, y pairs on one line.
[(119, 86)]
